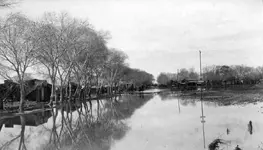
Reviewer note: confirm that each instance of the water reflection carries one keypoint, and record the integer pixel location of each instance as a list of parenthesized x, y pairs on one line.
[(167, 95), (71, 125), (144, 121), (32, 119), (203, 120), (227, 131), (161, 124)]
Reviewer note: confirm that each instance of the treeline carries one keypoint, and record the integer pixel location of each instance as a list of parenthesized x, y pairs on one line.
[(66, 50), (183, 74), (235, 74)]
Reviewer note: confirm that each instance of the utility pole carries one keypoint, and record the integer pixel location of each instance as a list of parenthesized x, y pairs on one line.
[(201, 78), (177, 74)]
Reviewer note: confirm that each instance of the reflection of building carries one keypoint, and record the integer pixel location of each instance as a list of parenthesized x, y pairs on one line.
[(1, 125), (33, 119)]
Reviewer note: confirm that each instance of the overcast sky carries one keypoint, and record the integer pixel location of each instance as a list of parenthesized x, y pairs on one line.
[(166, 35)]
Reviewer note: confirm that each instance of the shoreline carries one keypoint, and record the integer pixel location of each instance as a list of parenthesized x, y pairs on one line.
[(229, 96)]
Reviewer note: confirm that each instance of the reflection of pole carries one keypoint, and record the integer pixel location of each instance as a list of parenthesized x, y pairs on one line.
[(179, 106), (201, 99), (203, 122)]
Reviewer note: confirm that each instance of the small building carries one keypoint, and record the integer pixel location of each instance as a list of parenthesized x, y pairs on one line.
[(190, 84), (38, 90), (35, 90)]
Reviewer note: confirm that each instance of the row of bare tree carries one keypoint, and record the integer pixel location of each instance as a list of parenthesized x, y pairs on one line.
[(234, 72), (237, 73), (63, 48)]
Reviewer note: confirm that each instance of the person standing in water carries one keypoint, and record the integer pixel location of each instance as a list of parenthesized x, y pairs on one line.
[(250, 127), (237, 148), (227, 131)]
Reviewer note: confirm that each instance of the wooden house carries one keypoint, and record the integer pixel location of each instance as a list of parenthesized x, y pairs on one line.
[(35, 90), (38, 90)]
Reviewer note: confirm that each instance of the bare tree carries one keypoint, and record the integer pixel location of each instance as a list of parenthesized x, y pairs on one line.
[(52, 45), (183, 74), (115, 64), (17, 49), (193, 74), (137, 77), (73, 31), (90, 59)]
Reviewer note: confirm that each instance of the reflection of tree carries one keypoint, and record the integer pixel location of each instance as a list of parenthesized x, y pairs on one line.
[(125, 108), (21, 145), (186, 102), (84, 131), (167, 96), (54, 138), (33, 118), (74, 126), (211, 104), (7, 144)]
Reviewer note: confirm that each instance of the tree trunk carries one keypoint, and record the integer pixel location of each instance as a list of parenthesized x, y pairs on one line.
[(22, 97), (70, 92), (1, 105), (111, 90), (53, 92), (61, 94), (66, 92)]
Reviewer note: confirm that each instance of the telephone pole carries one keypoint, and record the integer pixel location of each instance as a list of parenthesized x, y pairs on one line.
[(177, 74), (200, 58)]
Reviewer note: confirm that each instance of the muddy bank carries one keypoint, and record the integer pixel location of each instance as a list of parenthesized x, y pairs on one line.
[(228, 97)]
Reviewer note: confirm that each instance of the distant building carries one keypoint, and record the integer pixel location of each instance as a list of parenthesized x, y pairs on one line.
[(190, 84)]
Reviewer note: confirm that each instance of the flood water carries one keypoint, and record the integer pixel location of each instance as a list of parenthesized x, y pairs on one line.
[(157, 122), (171, 123)]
